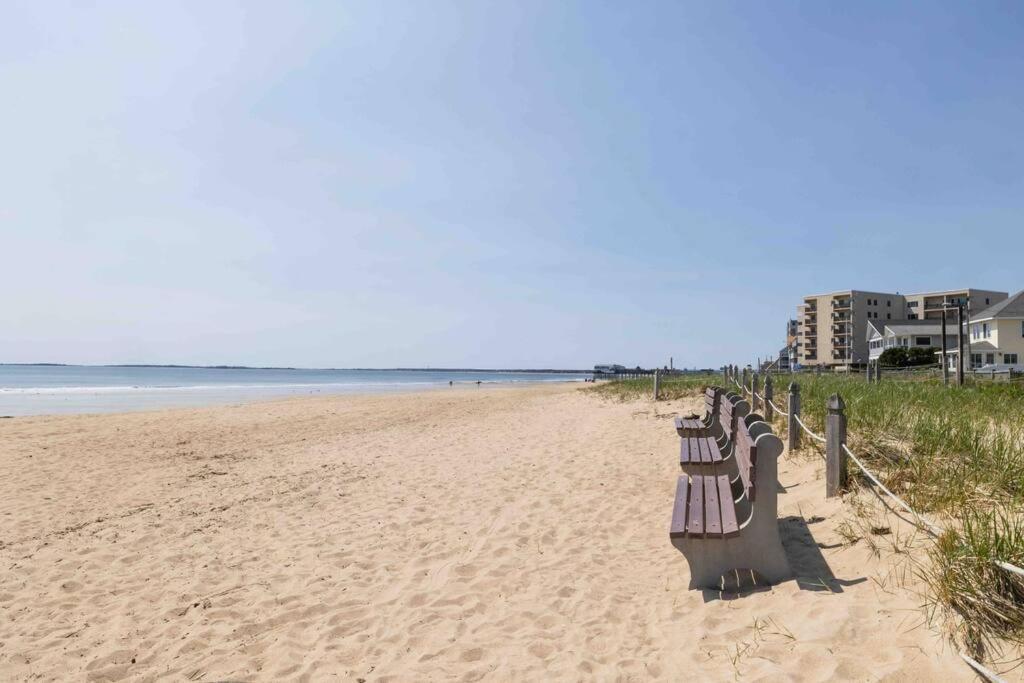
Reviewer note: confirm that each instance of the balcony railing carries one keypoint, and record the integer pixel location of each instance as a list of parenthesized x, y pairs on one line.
[(840, 304)]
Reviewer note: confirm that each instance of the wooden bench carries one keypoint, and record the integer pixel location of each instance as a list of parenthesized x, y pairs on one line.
[(724, 524), (706, 453), (701, 426)]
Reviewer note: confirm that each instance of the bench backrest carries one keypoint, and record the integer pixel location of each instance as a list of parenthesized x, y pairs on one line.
[(746, 458), (729, 415), (711, 400)]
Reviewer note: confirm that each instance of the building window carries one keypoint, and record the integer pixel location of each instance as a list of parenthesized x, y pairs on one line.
[(975, 360), (985, 330), (911, 304), (986, 301), (888, 316), (990, 358), (1010, 358), (974, 331), (912, 316), (922, 341)]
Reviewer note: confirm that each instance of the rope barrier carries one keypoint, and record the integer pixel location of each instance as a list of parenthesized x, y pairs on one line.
[(1009, 567), (779, 410), (988, 674), (808, 430), (929, 527)]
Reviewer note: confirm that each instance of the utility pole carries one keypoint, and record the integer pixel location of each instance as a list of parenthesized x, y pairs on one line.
[(960, 344), (945, 366), (967, 326)]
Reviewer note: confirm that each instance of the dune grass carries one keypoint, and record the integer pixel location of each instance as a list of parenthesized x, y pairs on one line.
[(670, 388), (954, 453)]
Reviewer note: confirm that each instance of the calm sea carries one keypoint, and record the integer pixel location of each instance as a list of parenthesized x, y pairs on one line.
[(45, 389)]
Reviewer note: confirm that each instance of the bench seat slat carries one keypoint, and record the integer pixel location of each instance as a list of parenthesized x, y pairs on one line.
[(713, 524), (729, 525), (678, 528), (714, 450), (695, 516), (684, 451), (705, 456)]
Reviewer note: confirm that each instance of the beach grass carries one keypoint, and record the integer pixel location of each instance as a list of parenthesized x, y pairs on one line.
[(671, 388)]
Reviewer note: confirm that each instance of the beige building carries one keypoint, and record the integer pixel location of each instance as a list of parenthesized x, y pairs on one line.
[(832, 329), (929, 305)]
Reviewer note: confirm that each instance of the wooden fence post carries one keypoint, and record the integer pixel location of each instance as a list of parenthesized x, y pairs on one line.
[(657, 377), (792, 428), (878, 372), (835, 456), (725, 375), (769, 410), (755, 401)]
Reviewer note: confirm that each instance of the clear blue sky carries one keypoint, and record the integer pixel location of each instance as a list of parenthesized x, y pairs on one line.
[(499, 184)]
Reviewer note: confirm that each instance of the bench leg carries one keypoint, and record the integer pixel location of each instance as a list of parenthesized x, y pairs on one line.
[(758, 548)]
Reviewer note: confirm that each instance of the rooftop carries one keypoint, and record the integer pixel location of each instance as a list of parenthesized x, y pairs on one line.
[(1012, 307)]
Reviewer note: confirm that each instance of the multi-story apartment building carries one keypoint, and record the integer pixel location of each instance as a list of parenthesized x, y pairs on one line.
[(832, 328), (929, 305)]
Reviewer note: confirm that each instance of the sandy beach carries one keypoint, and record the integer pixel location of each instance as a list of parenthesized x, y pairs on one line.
[(499, 534)]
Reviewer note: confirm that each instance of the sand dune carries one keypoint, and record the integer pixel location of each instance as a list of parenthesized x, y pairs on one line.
[(501, 534)]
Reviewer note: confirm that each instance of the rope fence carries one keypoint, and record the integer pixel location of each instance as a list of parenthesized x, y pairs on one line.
[(808, 430), (921, 522)]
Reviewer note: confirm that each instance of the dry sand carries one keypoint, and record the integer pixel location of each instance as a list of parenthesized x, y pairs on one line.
[(505, 534)]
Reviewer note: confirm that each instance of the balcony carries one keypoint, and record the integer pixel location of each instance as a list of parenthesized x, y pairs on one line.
[(840, 304), (841, 317)]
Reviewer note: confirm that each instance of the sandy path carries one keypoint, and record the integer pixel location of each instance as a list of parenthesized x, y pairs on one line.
[(508, 534)]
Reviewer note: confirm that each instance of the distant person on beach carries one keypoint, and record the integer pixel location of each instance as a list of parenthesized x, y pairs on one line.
[(450, 383), (478, 382)]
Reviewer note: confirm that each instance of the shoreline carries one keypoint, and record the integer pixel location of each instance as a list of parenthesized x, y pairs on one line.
[(121, 399)]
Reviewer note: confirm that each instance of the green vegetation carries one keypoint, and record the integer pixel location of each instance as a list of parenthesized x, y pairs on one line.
[(902, 357), (671, 387), (953, 453)]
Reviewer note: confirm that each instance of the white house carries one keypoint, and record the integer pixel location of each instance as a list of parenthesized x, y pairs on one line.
[(997, 335), (889, 334)]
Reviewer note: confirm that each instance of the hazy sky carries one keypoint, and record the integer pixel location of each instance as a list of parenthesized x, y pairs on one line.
[(500, 184)]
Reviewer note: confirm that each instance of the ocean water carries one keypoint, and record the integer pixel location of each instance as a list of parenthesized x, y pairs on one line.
[(49, 389)]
